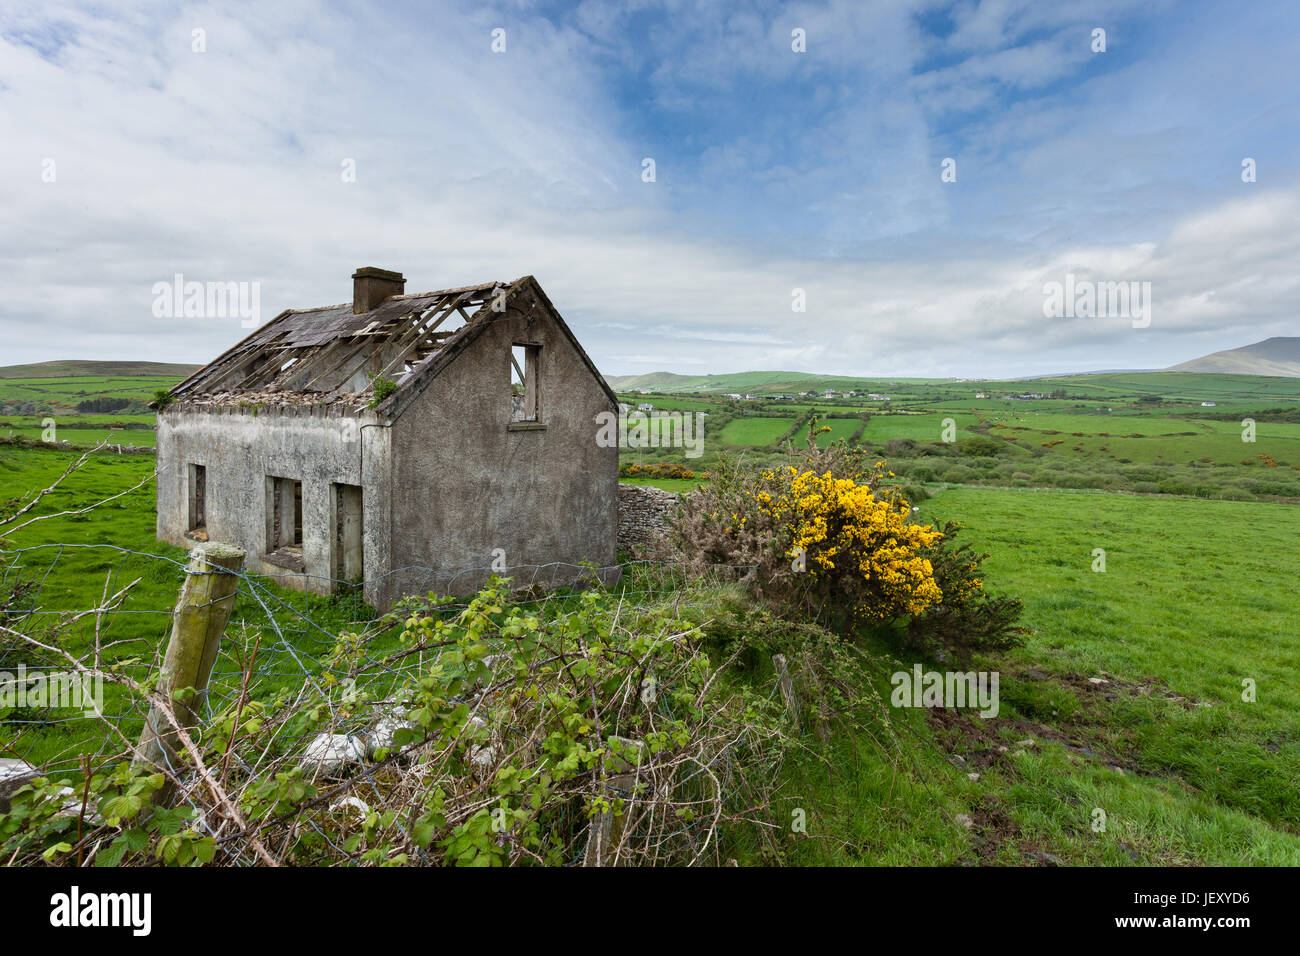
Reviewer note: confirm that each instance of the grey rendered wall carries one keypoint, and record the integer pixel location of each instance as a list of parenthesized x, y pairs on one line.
[(466, 482), (240, 449)]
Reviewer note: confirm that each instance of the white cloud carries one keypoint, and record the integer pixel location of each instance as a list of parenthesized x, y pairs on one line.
[(474, 166)]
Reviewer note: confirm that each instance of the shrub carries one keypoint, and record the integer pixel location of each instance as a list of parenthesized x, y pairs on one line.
[(516, 731), (661, 469), (381, 387), (819, 535), (968, 619), (980, 446)]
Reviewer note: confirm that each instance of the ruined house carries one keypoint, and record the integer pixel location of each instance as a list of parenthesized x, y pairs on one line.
[(411, 442)]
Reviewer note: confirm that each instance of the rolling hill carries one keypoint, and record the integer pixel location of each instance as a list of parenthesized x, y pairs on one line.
[(764, 382), (67, 367), (1278, 356)]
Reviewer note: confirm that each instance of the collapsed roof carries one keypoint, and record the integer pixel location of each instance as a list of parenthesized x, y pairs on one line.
[(334, 354)]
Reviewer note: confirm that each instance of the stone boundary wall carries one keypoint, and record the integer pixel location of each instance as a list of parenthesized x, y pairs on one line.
[(643, 512)]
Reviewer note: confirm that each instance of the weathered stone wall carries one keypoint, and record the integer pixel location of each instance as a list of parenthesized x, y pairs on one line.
[(643, 512), (472, 488), (242, 447)]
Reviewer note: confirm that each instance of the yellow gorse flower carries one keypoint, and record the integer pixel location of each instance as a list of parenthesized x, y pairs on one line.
[(843, 528)]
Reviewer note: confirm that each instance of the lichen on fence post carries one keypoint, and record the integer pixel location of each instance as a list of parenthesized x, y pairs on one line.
[(198, 623)]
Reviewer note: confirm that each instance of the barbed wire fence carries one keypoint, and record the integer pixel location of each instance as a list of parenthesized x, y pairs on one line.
[(332, 683)]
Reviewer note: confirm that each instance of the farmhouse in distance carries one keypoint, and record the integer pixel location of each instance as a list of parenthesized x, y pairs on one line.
[(411, 442)]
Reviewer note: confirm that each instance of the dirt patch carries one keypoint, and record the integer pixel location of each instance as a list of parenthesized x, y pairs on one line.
[(973, 742), (992, 828), (1108, 687), (1068, 738)]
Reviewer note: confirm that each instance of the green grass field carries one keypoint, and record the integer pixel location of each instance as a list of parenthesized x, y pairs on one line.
[(1195, 598), (70, 391), (83, 433), (1126, 699), (755, 432), (840, 430), (76, 558)]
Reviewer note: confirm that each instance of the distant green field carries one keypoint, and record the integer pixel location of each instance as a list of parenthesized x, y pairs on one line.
[(73, 390), (928, 428), (79, 435), (840, 430), (755, 431), (671, 404), (667, 484), (29, 401), (1191, 387)]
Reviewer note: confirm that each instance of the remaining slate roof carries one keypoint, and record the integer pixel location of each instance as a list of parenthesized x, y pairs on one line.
[(329, 354)]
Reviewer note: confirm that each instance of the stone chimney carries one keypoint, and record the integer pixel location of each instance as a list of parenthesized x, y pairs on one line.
[(371, 286)]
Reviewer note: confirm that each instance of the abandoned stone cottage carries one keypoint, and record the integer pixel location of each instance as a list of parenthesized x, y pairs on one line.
[(413, 442)]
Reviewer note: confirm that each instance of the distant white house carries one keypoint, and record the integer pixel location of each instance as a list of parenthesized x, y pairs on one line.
[(645, 407), (735, 395), (980, 395), (1208, 404)]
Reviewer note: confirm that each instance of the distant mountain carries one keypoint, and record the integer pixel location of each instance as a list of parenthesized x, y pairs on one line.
[(1275, 356), (66, 367)]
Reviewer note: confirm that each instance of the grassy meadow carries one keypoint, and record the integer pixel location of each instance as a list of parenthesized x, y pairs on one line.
[(1126, 700)]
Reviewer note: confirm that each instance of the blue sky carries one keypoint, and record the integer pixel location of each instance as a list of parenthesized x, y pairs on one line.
[(775, 171)]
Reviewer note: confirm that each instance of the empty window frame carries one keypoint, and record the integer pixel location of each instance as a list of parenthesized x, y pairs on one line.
[(198, 498), (284, 518), (525, 392)]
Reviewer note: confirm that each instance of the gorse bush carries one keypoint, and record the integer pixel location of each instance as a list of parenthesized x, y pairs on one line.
[(657, 470), (968, 619), (824, 538), (820, 535)]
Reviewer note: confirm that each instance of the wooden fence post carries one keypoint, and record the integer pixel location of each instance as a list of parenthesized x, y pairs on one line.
[(198, 624), (786, 683), (605, 835)]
